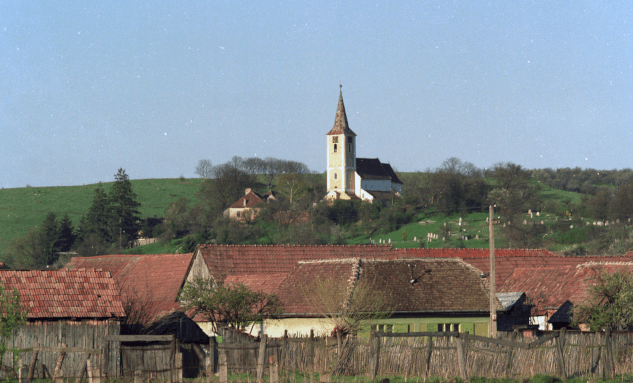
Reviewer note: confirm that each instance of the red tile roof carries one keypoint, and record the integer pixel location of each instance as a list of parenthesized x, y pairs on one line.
[(551, 286), (249, 200), (65, 293), (156, 278), (226, 260), (412, 285)]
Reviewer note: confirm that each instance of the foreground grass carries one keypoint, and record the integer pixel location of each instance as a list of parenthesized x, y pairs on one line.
[(305, 378)]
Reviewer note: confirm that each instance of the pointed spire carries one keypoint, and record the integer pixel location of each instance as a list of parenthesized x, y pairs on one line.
[(340, 122)]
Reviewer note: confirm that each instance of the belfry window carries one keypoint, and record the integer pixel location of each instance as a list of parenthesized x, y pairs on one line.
[(335, 147), (335, 176)]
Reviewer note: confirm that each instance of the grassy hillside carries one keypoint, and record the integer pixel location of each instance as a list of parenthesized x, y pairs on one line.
[(24, 208)]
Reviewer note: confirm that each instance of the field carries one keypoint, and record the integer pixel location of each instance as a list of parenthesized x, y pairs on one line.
[(24, 208)]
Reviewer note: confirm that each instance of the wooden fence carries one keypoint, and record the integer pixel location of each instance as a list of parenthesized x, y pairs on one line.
[(562, 353), (65, 348)]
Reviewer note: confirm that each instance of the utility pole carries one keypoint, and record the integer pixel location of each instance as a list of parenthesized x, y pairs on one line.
[(493, 296)]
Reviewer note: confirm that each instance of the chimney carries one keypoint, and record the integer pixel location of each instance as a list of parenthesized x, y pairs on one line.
[(248, 190)]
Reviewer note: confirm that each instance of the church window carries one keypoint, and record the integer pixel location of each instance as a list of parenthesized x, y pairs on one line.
[(335, 147), (335, 176), (335, 139)]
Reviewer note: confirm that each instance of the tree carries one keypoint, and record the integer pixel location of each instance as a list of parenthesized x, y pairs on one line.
[(204, 169), (233, 305), (49, 236), (14, 314), (124, 206), (227, 186), (66, 235), (292, 186), (347, 308), (610, 302), (97, 220)]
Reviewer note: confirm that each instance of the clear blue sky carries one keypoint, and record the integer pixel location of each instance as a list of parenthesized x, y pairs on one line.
[(155, 86)]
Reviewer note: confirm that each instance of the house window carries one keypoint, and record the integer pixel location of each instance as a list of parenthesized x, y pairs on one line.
[(335, 147), (238, 214), (384, 328), (448, 327)]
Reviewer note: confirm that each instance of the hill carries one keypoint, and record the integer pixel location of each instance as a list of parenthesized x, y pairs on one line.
[(24, 208)]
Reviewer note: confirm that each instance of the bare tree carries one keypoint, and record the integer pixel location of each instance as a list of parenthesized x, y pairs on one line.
[(204, 169)]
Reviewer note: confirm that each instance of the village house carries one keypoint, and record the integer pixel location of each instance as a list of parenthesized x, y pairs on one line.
[(148, 283), (65, 308), (349, 177), (440, 294), (246, 208)]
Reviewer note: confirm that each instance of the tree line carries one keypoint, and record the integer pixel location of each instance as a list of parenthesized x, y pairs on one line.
[(112, 223)]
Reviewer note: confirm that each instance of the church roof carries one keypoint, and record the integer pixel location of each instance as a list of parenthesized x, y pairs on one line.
[(340, 122), (371, 169), (392, 174)]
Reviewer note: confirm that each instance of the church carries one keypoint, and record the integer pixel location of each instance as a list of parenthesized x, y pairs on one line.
[(349, 177)]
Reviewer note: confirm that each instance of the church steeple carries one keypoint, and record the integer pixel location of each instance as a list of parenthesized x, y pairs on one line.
[(341, 154), (340, 122)]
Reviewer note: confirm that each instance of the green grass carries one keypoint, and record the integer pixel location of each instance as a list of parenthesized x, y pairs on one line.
[(24, 208)]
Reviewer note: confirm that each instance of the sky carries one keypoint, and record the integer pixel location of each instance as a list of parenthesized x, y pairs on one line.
[(155, 86)]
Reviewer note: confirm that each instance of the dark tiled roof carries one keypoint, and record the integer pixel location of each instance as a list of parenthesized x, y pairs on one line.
[(156, 278), (66, 293), (340, 122), (414, 285), (251, 199), (371, 169), (392, 174)]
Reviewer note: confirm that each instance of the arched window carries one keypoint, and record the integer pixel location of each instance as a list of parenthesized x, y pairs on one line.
[(335, 147), (335, 176)]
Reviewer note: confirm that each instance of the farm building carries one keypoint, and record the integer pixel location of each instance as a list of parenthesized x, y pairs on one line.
[(66, 308), (149, 284)]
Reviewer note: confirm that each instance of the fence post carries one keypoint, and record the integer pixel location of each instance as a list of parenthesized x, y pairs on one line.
[(60, 360), (560, 344), (510, 354), (211, 361), (178, 363), (274, 369), (82, 369), (261, 358), (609, 362), (461, 358), (89, 371), (338, 342), (427, 359), (375, 344), (224, 373), (138, 376), (36, 350), (312, 364)]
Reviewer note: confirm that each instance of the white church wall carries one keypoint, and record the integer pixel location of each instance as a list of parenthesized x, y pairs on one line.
[(376, 185)]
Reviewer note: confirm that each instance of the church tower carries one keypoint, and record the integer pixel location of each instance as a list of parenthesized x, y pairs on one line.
[(341, 153)]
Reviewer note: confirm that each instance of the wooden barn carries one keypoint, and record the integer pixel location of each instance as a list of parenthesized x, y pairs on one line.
[(70, 313)]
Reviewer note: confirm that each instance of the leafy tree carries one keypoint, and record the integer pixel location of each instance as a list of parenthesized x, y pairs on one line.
[(204, 169), (600, 204), (125, 216), (233, 305), (622, 206), (14, 314), (610, 302), (27, 252)]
